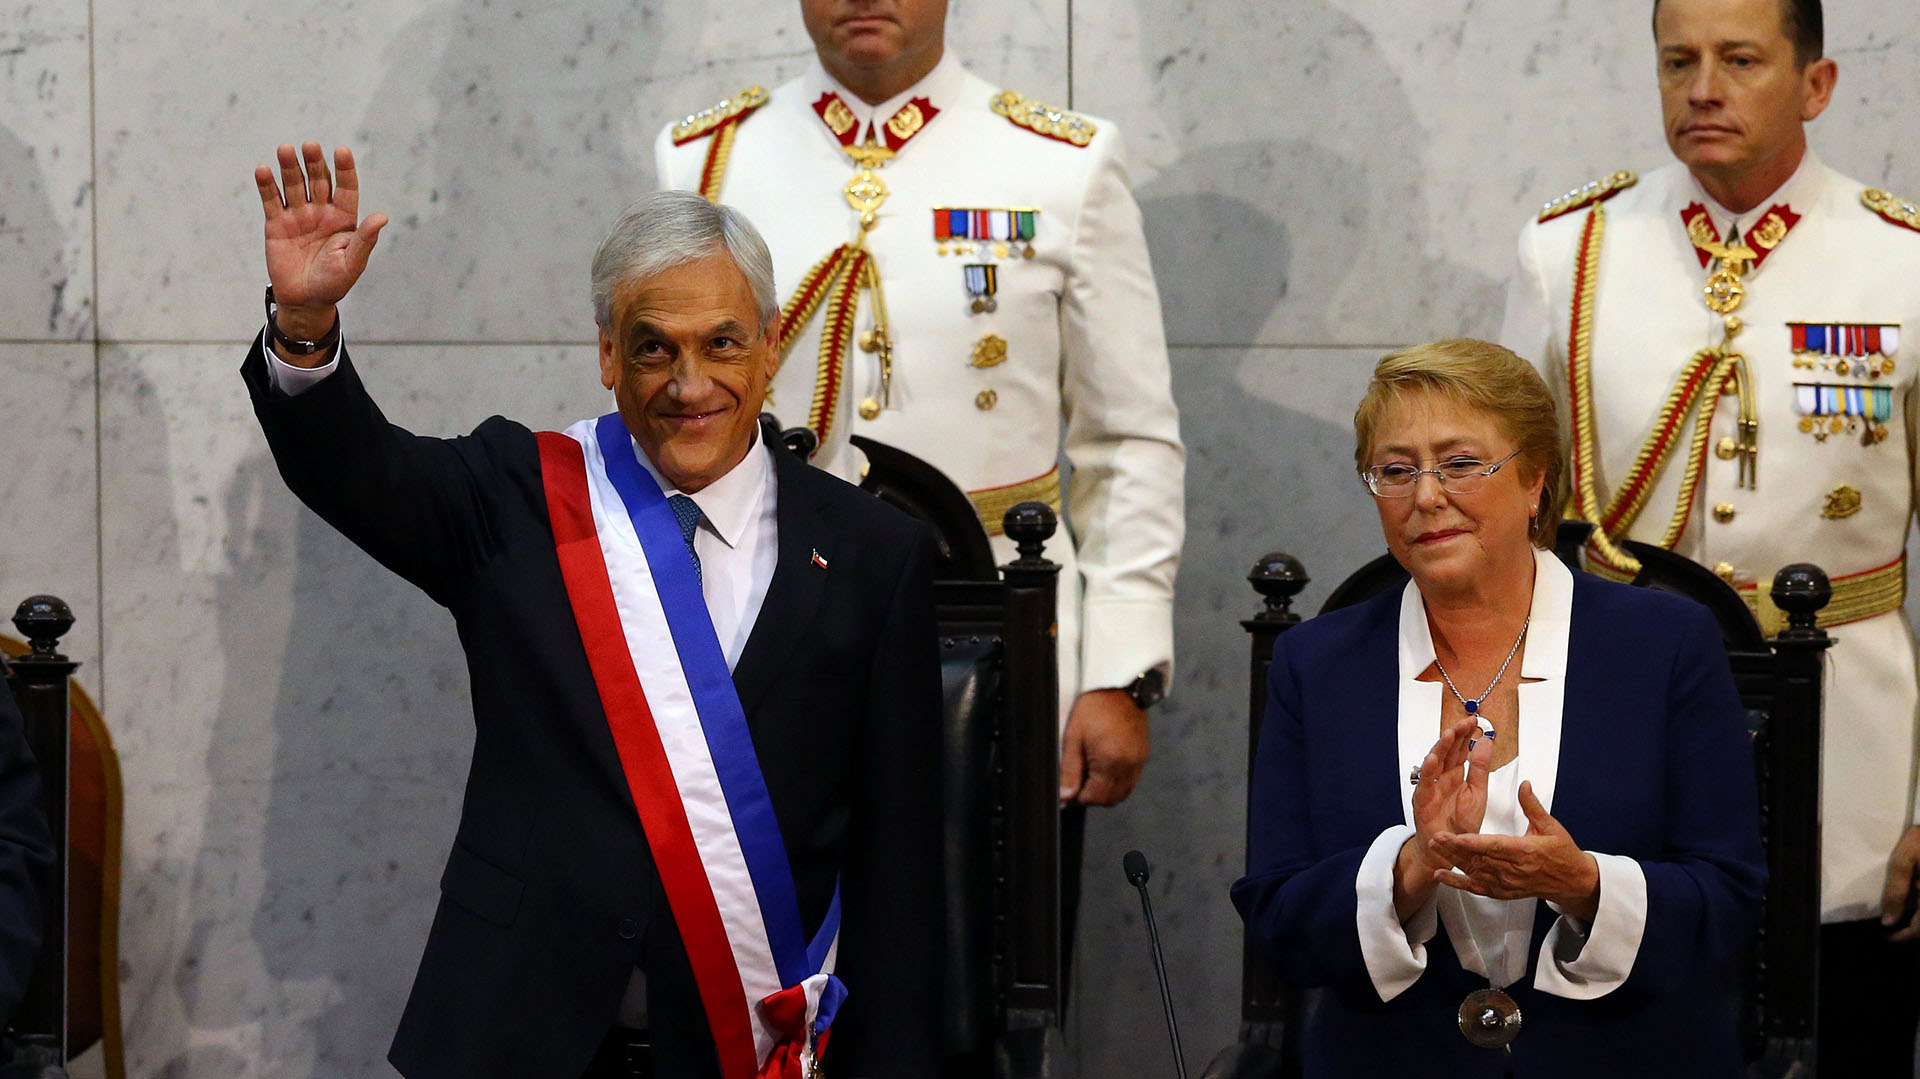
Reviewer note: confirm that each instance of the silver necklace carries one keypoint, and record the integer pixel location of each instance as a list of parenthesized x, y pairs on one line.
[(1473, 706)]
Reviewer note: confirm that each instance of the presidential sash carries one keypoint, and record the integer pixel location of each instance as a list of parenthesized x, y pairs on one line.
[(683, 743)]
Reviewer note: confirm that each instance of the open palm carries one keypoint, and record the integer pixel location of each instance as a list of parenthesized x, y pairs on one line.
[(1452, 800), (316, 245)]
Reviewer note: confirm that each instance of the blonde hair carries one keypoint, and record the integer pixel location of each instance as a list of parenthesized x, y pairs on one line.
[(1487, 378)]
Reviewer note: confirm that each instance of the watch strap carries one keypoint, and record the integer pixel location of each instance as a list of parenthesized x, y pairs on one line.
[(293, 346)]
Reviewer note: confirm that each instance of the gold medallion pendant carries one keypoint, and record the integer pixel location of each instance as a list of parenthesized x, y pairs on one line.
[(1723, 290), (1489, 1019), (866, 191)]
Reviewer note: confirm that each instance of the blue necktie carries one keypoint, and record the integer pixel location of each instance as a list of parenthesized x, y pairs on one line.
[(687, 512)]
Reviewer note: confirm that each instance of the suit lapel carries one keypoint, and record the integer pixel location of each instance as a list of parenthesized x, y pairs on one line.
[(797, 585)]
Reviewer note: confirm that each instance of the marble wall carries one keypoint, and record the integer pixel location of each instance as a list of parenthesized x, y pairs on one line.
[(1322, 180)]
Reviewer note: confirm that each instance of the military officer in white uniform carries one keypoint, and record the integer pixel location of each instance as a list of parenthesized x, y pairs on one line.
[(1752, 285), (967, 280)]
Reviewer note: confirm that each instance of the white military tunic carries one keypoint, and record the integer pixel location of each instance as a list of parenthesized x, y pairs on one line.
[(1080, 322), (1842, 502)]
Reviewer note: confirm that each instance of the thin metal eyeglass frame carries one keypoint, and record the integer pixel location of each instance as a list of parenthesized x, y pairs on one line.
[(1372, 480)]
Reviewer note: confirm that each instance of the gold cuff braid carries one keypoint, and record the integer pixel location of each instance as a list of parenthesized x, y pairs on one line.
[(992, 503), (1856, 597)]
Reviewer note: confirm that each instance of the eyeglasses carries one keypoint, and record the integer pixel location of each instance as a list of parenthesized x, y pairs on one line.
[(1457, 476)]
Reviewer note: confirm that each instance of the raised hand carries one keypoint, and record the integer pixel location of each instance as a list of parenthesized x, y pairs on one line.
[(316, 245), (1543, 864), (1451, 798)]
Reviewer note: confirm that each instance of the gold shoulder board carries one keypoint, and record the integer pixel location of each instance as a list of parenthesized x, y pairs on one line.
[(1891, 207), (1046, 120), (1586, 195), (711, 117)]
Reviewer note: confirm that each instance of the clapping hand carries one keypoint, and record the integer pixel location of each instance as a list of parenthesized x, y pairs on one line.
[(317, 246), (1545, 863), (1449, 799)]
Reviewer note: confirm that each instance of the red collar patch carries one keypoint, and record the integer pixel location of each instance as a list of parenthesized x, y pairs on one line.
[(900, 128)]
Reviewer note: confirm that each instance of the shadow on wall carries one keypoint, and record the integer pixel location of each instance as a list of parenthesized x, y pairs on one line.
[(33, 249), (372, 734), (507, 129), (334, 772)]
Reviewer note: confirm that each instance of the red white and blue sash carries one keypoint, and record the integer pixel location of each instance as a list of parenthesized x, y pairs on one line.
[(769, 992)]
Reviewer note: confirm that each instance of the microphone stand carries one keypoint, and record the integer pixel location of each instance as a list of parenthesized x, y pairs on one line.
[(1135, 865)]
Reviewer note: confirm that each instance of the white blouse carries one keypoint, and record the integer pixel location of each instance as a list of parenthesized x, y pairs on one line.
[(1490, 936)]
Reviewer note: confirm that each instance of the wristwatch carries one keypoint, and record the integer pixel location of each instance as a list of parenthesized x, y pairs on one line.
[(295, 346), (1148, 690)]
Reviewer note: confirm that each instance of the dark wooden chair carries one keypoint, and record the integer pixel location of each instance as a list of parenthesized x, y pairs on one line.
[(73, 1002), (1000, 676), (1779, 682)]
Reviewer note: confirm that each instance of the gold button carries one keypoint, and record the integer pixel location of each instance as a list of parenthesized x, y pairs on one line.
[(1723, 513), (869, 409), (1724, 571), (1726, 449), (985, 400)]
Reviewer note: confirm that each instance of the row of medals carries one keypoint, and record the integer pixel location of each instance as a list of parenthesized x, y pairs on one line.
[(1822, 427), (1724, 291)]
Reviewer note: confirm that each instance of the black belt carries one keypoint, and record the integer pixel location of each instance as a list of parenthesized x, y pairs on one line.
[(625, 1053)]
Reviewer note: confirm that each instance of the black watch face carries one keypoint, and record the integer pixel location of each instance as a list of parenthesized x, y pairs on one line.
[(1148, 690)]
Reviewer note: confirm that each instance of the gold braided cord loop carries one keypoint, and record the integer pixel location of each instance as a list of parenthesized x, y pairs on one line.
[(1709, 399), (836, 334), (1700, 381), (714, 171), (814, 286), (1586, 498)]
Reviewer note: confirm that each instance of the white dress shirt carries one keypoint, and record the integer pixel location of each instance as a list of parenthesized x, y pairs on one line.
[(1491, 936)]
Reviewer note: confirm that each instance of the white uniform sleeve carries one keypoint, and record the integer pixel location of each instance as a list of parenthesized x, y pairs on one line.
[(294, 381), (1126, 496), (1912, 408), (1581, 962), (1395, 952), (1527, 328)]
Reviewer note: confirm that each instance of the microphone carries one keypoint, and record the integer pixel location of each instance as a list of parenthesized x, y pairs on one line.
[(1135, 864)]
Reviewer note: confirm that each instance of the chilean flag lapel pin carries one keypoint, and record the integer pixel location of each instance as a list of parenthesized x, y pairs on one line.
[(817, 560)]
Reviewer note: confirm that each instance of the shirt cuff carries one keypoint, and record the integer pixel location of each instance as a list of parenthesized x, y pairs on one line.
[(1122, 639), (1581, 962), (294, 381), (1395, 952)]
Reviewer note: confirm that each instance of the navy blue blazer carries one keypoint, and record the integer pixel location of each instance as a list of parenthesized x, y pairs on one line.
[(1655, 763)]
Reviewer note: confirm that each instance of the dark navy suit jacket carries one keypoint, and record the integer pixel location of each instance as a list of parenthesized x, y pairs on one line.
[(1655, 763)]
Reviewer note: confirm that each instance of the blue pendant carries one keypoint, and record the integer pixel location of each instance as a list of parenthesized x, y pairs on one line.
[(1473, 708)]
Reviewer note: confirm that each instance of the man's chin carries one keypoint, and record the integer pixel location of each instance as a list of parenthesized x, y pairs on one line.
[(1716, 153)]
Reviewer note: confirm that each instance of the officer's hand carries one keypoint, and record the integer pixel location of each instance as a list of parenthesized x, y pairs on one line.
[(1104, 750), (316, 244), (1900, 868)]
